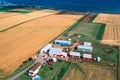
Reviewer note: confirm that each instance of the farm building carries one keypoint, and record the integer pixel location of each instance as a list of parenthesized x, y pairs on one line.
[(63, 42), (87, 57), (87, 44), (34, 69), (85, 48), (57, 52), (74, 54), (46, 48)]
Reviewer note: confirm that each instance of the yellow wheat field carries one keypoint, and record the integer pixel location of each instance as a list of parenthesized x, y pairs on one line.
[(19, 43), (17, 19), (112, 30), (8, 14)]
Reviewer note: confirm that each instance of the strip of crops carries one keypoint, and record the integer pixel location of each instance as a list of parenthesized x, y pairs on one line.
[(101, 32), (62, 71)]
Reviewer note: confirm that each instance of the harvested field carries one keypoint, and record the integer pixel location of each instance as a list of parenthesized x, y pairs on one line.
[(19, 43), (8, 14), (12, 21), (86, 71), (112, 31)]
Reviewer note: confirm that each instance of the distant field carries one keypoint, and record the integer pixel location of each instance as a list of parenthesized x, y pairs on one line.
[(19, 43), (112, 31), (13, 21), (8, 14)]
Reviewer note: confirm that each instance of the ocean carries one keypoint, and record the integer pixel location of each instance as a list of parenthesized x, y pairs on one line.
[(96, 6)]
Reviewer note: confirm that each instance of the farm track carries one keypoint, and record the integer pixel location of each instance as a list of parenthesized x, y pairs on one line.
[(87, 18)]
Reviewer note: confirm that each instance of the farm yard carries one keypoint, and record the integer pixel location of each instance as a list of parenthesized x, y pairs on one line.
[(112, 31), (28, 36), (79, 67)]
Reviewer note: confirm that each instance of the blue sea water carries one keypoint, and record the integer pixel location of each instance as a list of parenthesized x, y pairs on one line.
[(97, 6)]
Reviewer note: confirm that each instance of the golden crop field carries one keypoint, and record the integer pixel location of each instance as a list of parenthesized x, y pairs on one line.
[(112, 31), (19, 43), (8, 14), (18, 19)]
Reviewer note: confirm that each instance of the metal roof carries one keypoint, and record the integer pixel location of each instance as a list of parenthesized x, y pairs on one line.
[(55, 51), (87, 43), (85, 47), (75, 53), (35, 66), (87, 56), (46, 48)]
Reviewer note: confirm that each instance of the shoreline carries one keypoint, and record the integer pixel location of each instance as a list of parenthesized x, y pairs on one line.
[(62, 10)]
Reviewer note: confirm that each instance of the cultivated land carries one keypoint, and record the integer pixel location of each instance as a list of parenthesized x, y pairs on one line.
[(4, 14), (17, 44), (112, 30), (13, 21), (79, 69), (88, 71)]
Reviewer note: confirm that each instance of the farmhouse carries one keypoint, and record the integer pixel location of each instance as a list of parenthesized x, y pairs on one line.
[(87, 57), (85, 48), (46, 48), (63, 42), (57, 52), (87, 44), (34, 69), (74, 54)]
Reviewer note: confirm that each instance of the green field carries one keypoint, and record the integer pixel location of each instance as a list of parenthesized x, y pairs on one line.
[(13, 9), (87, 31)]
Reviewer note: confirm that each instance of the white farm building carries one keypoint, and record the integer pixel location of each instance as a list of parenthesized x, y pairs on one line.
[(74, 54), (45, 48), (34, 69), (54, 52), (85, 48)]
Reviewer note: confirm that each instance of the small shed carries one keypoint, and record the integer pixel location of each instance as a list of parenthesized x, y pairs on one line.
[(63, 54), (87, 57), (55, 51), (74, 54), (85, 48), (87, 44), (45, 48), (63, 42)]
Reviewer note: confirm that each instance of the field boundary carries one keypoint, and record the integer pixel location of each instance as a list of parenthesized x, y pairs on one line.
[(23, 23)]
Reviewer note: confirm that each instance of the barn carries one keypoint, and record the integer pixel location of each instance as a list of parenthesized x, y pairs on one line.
[(87, 44), (87, 57), (85, 48), (63, 42), (45, 48), (34, 69), (74, 55), (57, 52)]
